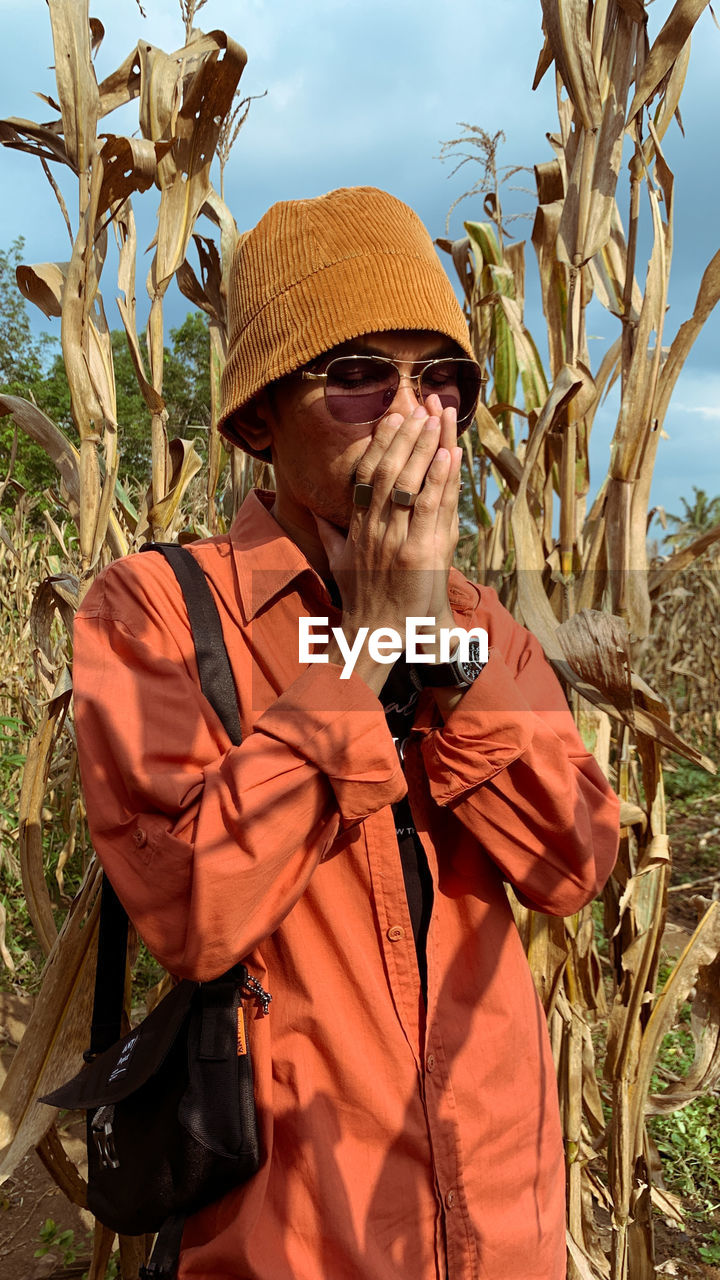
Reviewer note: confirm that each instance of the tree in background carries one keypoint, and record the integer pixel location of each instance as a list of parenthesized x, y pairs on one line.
[(698, 517), (32, 366), (23, 362)]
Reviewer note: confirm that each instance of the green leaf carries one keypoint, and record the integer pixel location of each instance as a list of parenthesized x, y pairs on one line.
[(485, 244)]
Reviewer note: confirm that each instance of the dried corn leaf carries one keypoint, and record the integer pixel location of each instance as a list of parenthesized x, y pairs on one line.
[(707, 298), (669, 103), (698, 966), (75, 76), (56, 1034), (56, 594), (636, 404), (103, 1242), (217, 456), (597, 646), (587, 217), (496, 446), (208, 296), (5, 954), (42, 140), (44, 285), (553, 280), (666, 49), (97, 34), (61, 1168), (635, 9), (594, 665), (121, 86), (63, 454), (532, 600), (133, 1254), (32, 798), (544, 62), (129, 165), (125, 227), (547, 953), (80, 294), (215, 63), (217, 211), (566, 24), (186, 463)]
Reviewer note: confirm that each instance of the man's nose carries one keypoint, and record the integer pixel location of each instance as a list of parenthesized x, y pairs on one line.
[(408, 395)]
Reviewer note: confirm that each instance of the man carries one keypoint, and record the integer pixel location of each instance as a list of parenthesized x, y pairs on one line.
[(354, 848)]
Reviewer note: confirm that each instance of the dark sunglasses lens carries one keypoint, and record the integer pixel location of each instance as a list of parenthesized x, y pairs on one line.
[(359, 389), (456, 382)]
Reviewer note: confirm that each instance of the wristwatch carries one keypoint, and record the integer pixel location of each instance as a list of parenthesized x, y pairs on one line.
[(454, 674)]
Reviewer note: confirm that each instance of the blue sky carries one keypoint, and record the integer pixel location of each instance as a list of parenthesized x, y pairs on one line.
[(364, 92)]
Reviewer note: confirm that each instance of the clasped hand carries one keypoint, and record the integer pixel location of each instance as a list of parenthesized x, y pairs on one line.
[(394, 562)]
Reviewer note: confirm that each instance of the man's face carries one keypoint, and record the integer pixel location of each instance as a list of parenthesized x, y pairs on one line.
[(314, 456)]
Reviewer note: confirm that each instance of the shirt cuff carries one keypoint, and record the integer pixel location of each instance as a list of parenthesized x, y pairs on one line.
[(490, 727), (340, 727)]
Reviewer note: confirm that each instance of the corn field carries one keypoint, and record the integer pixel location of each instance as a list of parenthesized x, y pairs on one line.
[(587, 590)]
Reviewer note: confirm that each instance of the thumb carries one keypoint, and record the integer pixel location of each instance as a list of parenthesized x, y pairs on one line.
[(332, 538)]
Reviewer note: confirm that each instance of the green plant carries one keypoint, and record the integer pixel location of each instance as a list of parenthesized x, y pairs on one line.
[(685, 781), (689, 1144), (11, 761), (710, 1252), (688, 1140), (52, 1237)]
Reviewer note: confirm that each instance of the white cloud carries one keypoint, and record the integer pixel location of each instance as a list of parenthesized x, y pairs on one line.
[(711, 411)]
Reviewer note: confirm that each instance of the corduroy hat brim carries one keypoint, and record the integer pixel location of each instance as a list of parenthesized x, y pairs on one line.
[(316, 273)]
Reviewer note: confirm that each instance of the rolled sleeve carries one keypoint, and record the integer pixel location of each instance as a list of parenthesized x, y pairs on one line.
[(339, 726)]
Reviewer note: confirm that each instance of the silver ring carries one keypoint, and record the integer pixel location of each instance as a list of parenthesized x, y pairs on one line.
[(403, 497), (362, 496)]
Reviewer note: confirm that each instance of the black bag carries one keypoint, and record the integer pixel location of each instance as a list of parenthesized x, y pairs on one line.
[(171, 1121)]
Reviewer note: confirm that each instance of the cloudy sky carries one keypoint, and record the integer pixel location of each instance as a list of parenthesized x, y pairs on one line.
[(365, 91)]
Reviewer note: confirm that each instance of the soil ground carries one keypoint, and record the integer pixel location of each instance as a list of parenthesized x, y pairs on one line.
[(30, 1197)]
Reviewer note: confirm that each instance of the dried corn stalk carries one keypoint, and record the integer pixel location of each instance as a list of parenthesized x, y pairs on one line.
[(183, 99), (586, 592)]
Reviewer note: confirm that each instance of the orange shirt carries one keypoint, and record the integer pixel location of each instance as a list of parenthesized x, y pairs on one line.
[(399, 1142)]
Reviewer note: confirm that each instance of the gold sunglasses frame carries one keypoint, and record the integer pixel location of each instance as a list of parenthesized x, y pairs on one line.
[(415, 378)]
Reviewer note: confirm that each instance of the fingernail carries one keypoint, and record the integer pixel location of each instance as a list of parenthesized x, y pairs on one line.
[(394, 420), (420, 412), (432, 424)]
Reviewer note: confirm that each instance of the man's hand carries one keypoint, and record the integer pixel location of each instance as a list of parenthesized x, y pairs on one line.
[(395, 561)]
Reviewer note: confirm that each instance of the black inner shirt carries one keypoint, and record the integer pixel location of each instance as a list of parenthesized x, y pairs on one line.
[(399, 697)]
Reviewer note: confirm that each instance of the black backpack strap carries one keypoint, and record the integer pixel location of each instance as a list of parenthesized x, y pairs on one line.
[(216, 681), (109, 973), (164, 1261)]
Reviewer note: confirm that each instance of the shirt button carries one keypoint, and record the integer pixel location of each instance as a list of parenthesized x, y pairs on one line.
[(430, 1062), (140, 837), (451, 1199), (396, 933)]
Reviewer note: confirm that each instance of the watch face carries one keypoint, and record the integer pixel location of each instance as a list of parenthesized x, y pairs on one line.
[(472, 668)]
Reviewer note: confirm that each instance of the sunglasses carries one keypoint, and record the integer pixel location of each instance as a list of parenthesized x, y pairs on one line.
[(360, 389)]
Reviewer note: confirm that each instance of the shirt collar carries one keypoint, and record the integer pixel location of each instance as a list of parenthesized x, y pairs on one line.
[(266, 560)]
